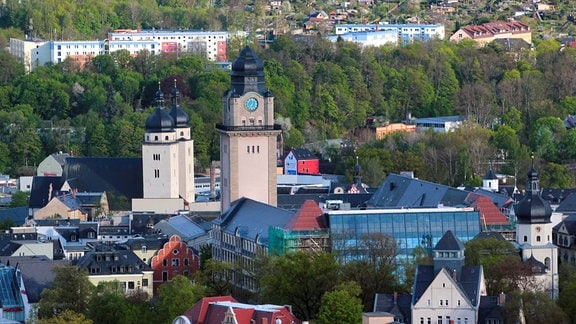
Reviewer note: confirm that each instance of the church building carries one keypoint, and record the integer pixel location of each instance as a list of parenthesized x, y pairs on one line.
[(534, 236), (167, 159)]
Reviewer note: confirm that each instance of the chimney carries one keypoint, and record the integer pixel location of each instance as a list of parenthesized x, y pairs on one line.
[(395, 298), (501, 299), (454, 275)]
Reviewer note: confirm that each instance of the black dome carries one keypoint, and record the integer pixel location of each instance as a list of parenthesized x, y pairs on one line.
[(247, 73), (533, 209), (159, 120), (179, 116)]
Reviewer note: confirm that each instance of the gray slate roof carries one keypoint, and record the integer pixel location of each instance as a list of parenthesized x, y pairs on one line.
[(252, 219), (37, 273), (40, 192), (402, 191), (449, 242), (18, 215), (108, 259), (180, 225)]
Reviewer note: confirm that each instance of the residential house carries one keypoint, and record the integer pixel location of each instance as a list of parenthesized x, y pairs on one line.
[(443, 124), (488, 32), (447, 291), (24, 241), (564, 236), (173, 259), (145, 247), (52, 165), (225, 309), (240, 234), (301, 161), (63, 206), (404, 33), (107, 263), (41, 192), (382, 131), (72, 236)]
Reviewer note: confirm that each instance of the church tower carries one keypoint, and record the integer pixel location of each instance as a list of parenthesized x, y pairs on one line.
[(167, 153), (248, 135), (534, 235)]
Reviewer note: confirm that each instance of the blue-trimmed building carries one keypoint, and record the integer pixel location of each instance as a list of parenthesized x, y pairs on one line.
[(406, 33)]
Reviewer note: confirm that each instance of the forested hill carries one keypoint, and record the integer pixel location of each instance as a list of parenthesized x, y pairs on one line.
[(515, 104)]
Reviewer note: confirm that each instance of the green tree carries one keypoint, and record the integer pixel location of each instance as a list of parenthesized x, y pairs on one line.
[(109, 305), (71, 290), (341, 305), (299, 279), (67, 317), (556, 176), (176, 296), (537, 307), (216, 276), (19, 199)]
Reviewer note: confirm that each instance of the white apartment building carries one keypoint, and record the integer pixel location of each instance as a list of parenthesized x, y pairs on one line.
[(34, 53), (406, 33)]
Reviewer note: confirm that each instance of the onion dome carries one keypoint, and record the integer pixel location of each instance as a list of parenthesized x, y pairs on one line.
[(179, 116), (533, 209), (159, 120), (247, 73), (490, 175)]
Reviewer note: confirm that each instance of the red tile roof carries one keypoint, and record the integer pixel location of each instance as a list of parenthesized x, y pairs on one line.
[(197, 314), (309, 217), (489, 213)]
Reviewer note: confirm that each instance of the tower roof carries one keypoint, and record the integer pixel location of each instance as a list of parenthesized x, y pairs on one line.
[(490, 175), (247, 73), (179, 116), (533, 209), (449, 242), (159, 120)]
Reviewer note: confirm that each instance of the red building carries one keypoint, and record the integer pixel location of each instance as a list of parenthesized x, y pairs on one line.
[(225, 309), (301, 161), (174, 258)]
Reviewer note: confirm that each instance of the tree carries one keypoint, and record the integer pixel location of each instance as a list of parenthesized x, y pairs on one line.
[(215, 276), (341, 305), (299, 279), (532, 308), (177, 296), (504, 271), (19, 199), (71, 291), (109, 304), (67, 317)]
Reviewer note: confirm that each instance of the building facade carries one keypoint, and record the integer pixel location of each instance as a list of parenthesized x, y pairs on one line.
[(173, 259), (488, 32), (248, 135), (404, 33)]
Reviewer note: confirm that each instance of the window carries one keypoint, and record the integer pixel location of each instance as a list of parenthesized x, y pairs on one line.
[(164, 262), (175, 252), (186, 262), (130, 284), (538, 238), (156, 173), (144, 249), (525, 238), (439, 319), (175, 262), (164, 276), (144, 282)]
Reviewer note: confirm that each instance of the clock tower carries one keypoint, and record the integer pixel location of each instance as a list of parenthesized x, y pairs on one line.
[(248, 135), (534, 235)]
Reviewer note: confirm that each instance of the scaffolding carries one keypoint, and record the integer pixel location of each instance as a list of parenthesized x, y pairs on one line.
[(282, 241)]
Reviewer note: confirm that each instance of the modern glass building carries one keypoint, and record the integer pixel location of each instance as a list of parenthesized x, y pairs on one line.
[(410, 227)]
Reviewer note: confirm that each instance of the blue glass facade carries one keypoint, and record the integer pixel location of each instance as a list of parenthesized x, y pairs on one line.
[(409, 227)]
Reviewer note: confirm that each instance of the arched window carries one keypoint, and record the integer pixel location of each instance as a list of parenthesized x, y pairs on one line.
[(547, 263)]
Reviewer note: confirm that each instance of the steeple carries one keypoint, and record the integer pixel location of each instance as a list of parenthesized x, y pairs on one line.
[(159, 121), (533, 209), (179, 116)]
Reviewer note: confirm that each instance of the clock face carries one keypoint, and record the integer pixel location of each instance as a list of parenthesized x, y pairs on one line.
[(251, 104), (538, 229)]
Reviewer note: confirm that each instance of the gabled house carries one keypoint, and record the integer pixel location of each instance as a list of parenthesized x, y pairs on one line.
[(301, 161), (145, 247), (225, 309), (173, 259), (564, 236), (52, 165), (24, 241), (445, 292), (63, 206), (107, 263), (490, 31)]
